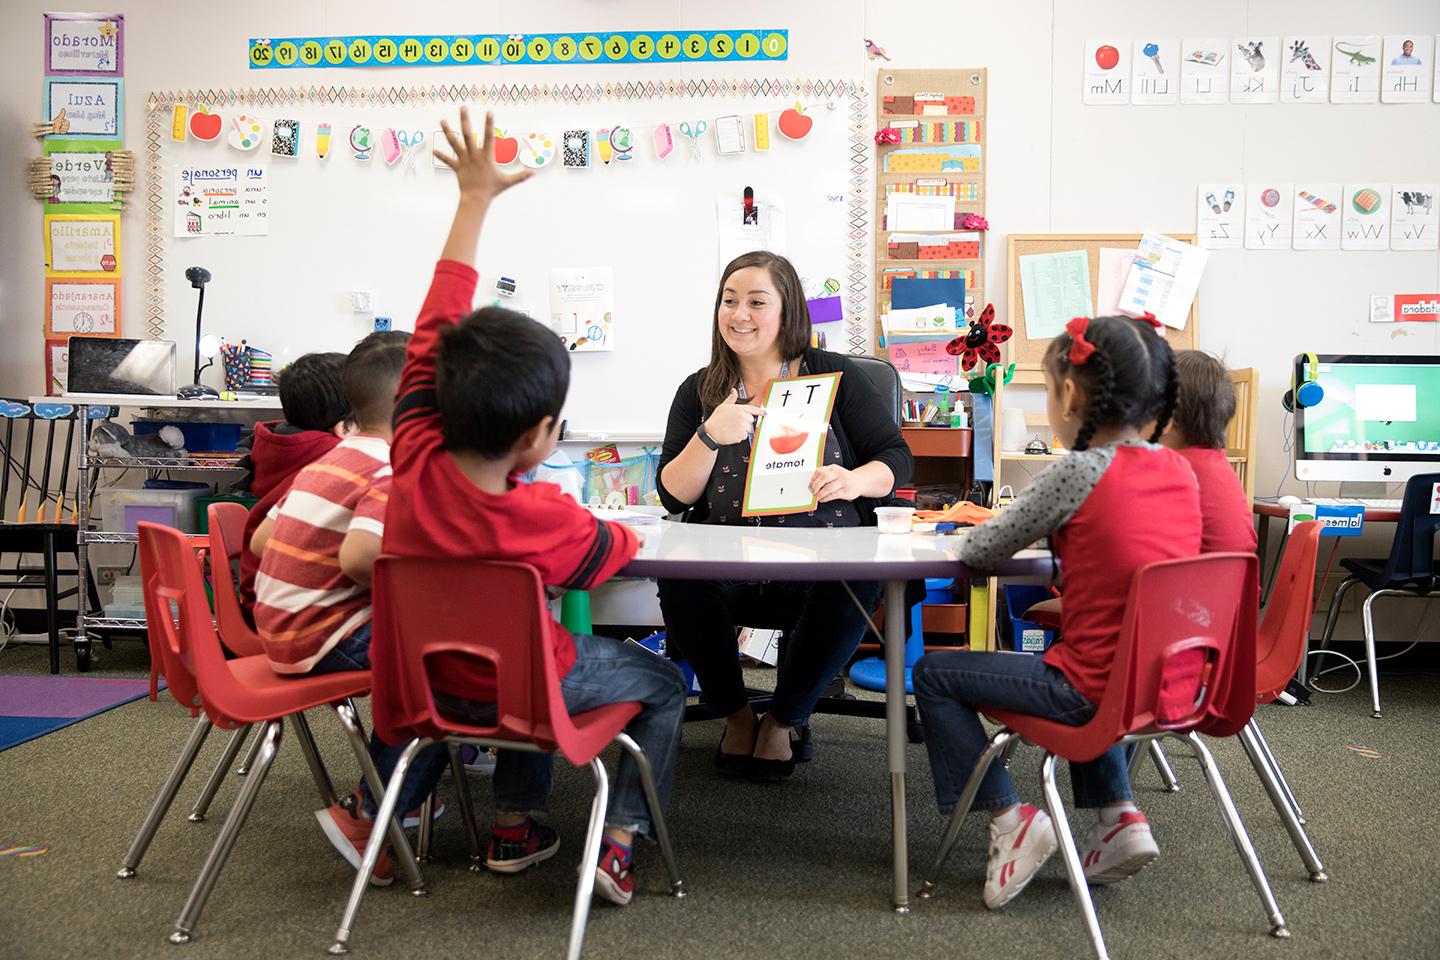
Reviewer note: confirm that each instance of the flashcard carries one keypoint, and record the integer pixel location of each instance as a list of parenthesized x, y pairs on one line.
[(729, 135), (1255, 70), (1407, 73), (1156, 77), (87, 307), (362, 141), (789, 444), (1107, 72), (322, 140), (285, 141), (762, 131), (537, 150), (390, 149), (577, 150), (1205, 70), (1365, 221), (81, 172), (664, 141), (1218, 223), (245, 132), (205, 125), (1305, 74), (178, 117), (1268, 209), (82, 246), (92, 106), (1414, 216), (1355, 69), (1317, 216)]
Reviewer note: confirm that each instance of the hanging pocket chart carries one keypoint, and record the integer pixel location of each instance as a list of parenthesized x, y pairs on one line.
[(955, 158)]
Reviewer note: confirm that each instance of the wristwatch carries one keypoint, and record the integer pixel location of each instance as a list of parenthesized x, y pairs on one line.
[(705, 437)]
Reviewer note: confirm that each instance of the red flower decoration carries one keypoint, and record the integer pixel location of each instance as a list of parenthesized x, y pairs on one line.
[(982, 340), (887, 135), (973, 221)]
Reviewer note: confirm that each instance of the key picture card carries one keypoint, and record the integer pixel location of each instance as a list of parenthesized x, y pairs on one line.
[(789, 444), (85, 44), (82, 246), (85, 108), (87, 307), (1155, 80)]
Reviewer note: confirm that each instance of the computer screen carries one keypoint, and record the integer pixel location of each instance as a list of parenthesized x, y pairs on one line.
[(1379, 418), (105, 365)]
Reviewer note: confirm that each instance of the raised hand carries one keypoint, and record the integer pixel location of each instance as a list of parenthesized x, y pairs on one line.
[(473, 160)]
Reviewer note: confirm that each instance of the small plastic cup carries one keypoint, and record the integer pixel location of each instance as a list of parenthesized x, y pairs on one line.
[(894, 519)]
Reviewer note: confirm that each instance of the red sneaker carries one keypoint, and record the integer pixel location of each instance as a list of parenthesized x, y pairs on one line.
[(349, 834), (512, 849), (615, 874)]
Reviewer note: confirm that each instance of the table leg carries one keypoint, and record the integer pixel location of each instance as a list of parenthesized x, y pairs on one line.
[(895, 734), (1262, 545)]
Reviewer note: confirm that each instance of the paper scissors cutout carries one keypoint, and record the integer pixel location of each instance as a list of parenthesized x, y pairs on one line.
[(693, 135), (412, 142)]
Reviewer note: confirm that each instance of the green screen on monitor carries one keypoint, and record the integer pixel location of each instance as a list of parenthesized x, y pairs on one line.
[(1374, 405)]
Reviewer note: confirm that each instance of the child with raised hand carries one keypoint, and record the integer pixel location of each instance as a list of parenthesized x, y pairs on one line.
[(479, 405), (1117, 502)]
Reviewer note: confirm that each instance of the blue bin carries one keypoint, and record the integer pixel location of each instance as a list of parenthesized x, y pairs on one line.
[(1025, 636), (199, 437), (655, 643), (870, 672)]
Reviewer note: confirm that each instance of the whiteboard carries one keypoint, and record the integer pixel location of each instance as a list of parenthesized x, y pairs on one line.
[(339, 224)]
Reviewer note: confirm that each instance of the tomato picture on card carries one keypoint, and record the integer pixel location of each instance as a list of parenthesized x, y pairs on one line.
[(789, 444)]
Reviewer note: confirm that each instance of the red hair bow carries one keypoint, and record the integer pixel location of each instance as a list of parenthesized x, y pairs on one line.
[(1081, 350), (1154, 321)]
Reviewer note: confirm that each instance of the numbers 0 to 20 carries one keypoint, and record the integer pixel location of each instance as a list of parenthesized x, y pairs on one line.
[(512, 49)]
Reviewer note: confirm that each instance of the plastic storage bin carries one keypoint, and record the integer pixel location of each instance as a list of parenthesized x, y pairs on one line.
[(1025, 636), (127, 599), (167, 502), (199, 437), (202, 509)]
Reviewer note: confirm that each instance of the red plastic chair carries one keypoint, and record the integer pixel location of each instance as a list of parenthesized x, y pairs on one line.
[(412, 630), (1185, 661), (232, 693)]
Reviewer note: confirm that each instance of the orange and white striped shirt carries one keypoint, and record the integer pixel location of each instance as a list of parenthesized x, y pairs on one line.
[(304, 603)]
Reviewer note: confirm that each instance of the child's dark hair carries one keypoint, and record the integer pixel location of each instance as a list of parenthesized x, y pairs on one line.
[(1206, 403), (312, 391), (498, 374), (1129, 381), (372, 373)]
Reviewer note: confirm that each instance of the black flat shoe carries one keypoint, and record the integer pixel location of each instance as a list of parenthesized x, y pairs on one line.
[(763, 770), (732, 764)]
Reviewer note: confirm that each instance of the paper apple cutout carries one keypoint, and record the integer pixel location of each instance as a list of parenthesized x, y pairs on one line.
[(794, 124), (507, 149), (205, 125), (1107, 57), (788, 441)]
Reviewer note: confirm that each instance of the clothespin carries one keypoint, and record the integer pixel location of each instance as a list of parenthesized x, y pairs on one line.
[(751, 214)]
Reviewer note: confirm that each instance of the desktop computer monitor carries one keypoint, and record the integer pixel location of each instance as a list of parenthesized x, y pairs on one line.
[(1379, 418)]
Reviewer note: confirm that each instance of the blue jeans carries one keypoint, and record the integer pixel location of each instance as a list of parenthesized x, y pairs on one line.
[(353, 653), (606, 671), (948, 688)]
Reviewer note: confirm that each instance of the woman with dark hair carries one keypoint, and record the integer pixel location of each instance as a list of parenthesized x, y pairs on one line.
[(762, 331)]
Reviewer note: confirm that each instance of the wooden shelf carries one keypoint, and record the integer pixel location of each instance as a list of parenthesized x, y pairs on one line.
[(935, 618), (938, 441), (1034, 457)]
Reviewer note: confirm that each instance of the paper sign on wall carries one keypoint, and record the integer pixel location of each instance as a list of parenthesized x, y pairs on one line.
[(1414, 216), (1055, 287), (1163, 279), (93, 106), (85, 246), (1255, 70), (1317, 216), (1355, 69), (1219, 209), (582, 308), (87, 307), (928, 357), (221, 201), (1405, 308), (1205, 70), (1407, 69), (1107, 71), (85, 43), (81, 172), (1305, 75), (1114, 271), (1267, 215), (789, 444), (1336, 520), (1365, 217), (57, 366)]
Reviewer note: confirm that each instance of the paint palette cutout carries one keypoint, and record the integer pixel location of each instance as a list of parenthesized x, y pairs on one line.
[(245, 133), (537, 150)]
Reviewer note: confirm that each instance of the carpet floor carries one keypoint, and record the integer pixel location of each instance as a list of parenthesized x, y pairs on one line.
[(794, 870)]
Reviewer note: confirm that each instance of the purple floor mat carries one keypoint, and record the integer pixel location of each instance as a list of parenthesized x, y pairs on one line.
[(68, 697)]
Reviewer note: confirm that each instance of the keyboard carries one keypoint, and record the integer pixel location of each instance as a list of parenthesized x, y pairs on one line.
[(1372, 503)]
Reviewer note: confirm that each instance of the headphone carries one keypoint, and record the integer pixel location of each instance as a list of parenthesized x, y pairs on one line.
[(1308, 392)]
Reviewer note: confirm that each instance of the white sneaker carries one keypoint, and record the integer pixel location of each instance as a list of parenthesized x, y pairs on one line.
[(1016, 855), (1118, 850)]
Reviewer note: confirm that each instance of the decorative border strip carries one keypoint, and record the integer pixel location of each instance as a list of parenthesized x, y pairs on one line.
[(160, 102)]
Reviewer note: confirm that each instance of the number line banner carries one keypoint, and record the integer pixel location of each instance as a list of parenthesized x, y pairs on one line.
[(484, 49)]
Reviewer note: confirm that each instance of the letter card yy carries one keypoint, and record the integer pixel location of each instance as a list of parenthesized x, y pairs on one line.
[(789, 444)]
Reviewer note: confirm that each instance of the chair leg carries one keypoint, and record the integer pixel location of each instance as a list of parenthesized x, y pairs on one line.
[(1000, 744), (467, 808), (388, 802), (652, 798), (589, 860), (1275, 767), (204, 884), (249, 760), (1331, 617), (427, 828), (312, 759), (1251, 740), (1073, 870), (1009, 751), (217, 776), (1369, 618), (1237, 833), (158, 809), (401, 844), (1162, 765)]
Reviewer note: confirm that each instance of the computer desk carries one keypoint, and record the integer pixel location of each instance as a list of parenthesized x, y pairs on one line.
[(692, 551), (1268, 508)]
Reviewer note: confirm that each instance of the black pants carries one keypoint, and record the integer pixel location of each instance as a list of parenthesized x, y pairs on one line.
[(824, 628)]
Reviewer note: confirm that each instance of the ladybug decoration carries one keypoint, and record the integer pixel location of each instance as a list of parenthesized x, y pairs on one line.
[(981, 341)]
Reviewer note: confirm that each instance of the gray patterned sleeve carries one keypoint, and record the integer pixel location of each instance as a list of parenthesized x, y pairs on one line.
[(1039, 510)]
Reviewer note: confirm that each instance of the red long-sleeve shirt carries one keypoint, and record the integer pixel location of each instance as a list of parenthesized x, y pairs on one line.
[(436, 511)]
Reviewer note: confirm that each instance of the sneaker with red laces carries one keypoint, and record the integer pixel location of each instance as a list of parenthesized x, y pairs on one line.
[(1118, 850), (412, 819), (349, 834), (513, 849), (615, 874), (1016, 854)]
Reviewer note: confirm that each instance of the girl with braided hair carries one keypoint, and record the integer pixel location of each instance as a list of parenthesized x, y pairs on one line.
[(1118, 502)]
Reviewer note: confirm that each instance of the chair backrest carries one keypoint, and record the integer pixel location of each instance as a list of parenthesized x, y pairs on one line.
[(227, 539), (1280, 640), (1412, 553), (166, 657), (1186, 654), (886, 381), (495, 616), (34, 473)]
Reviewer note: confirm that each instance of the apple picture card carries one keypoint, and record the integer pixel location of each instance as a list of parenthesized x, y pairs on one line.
[(1305, 74), (1414, 216), (1107, 72), (1365, 216), (1355, 69), (1317, 216), (1255, 69), (1205, 70), (1155, 77), (789, 444), (1218, 216), (1267, 215), (1407, 68)]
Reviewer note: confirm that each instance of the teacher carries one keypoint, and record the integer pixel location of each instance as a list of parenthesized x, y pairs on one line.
[(762, 331)]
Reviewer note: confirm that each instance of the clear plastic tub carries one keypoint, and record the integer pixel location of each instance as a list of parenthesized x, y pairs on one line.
[(121, 510)]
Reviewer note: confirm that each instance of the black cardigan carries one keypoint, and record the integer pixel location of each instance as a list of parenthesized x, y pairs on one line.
[(864, 428)]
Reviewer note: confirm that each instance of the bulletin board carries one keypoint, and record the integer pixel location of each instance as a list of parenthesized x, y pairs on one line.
[(337, 224), (1022, 349)]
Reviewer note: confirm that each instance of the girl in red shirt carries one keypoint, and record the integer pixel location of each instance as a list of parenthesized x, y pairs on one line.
[(1116, 503)]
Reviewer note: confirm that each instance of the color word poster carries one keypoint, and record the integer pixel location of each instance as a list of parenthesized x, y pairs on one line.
[(479, 50), (221, 202), (81, 177), (88, 307), (85, 43), (82, 245), (89, 108)]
